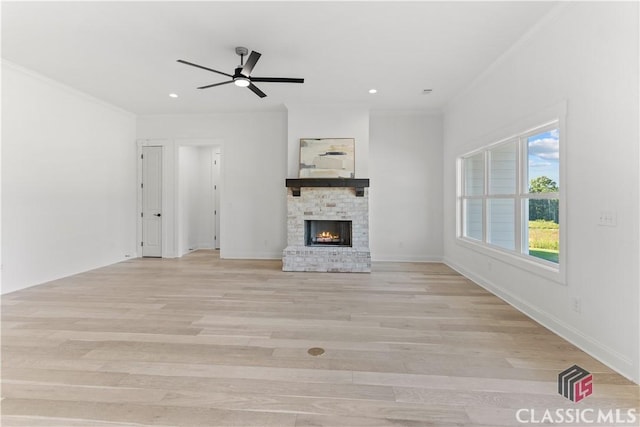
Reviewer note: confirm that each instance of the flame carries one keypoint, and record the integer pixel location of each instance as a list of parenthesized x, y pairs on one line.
[(327, 235)]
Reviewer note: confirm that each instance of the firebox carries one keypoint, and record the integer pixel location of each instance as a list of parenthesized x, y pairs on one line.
[(327, 233)]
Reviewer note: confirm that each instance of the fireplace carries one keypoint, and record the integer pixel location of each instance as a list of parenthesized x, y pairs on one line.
[(327, 225), (327, 233)]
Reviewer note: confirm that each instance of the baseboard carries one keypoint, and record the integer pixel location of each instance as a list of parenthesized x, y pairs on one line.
[(380, 258), (616, 361), (4, 291), (403, 258), (252, 255)]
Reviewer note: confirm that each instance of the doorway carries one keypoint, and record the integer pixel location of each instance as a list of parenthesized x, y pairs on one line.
[(170, 223), (198, 201)]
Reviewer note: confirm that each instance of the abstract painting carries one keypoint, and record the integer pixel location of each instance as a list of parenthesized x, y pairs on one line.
[(327, 158)]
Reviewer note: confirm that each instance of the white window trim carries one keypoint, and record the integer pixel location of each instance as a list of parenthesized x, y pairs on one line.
[(555, 115)]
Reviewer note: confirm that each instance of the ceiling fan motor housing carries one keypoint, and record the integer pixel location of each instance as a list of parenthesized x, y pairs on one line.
[(240, 79)]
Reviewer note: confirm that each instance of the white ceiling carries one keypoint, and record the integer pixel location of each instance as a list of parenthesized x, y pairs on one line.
[(125, 52)]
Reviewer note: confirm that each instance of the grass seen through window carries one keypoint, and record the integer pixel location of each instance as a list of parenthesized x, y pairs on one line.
[(544, 239)]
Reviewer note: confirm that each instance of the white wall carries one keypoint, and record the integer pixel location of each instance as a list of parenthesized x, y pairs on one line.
[(204, 234), (255, 161), (188, 174), (587, 54), (253, 195), (401, 154), (68, 181), (195, 205), (406, 201), (328, 121)]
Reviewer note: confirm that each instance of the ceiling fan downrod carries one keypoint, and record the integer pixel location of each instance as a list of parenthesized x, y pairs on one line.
[(242, 51)]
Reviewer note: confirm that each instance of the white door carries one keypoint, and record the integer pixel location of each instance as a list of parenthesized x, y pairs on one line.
[(151, 201), (216, 200)]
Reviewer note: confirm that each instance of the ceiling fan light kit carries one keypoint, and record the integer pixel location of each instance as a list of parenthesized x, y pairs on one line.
[(242, 74), (241, 82)]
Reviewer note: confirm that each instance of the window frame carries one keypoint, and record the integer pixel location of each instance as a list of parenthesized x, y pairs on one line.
[(519, 256)]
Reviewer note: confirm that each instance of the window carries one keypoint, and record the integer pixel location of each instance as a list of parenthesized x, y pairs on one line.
[(510, 196), (542, 202)]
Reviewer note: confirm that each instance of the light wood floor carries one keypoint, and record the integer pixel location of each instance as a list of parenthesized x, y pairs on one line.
[(209, 342)]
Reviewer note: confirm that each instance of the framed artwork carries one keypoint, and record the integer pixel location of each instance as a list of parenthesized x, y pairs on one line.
[(327, 158)]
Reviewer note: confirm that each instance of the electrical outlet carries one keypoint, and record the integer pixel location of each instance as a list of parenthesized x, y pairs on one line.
[(608, 219), (576, 304)]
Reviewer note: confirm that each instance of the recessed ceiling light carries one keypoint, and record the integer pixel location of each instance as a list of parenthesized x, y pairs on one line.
[(373, 91), (173, 95)]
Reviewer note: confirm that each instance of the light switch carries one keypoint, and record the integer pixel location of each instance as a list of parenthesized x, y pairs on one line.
[(608, 219)]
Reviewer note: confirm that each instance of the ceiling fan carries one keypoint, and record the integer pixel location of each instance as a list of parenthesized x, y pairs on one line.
[(242, 74)]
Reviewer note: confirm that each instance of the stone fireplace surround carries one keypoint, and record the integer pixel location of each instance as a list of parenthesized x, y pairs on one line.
[(327, 199)]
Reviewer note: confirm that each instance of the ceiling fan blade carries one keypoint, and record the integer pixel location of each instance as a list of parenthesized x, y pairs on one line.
[(204, 68), (257, 91), (276, 80), (251, 62), (215, 84)]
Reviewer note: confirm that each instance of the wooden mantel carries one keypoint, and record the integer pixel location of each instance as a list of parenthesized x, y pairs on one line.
[(297, 183)]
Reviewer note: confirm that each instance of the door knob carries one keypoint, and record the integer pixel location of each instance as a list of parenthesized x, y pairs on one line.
[(157, 214)]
